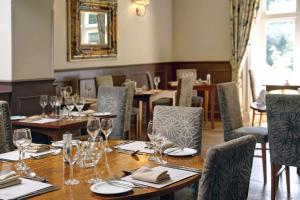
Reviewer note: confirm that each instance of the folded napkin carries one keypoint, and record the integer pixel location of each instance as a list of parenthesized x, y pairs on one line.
[(36, 148), (88, 112), (9, 179), (149, 175)]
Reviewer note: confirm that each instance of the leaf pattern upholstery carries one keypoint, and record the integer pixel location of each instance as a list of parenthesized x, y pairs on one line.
[(113, 99), (283, 115), (184, 92), (227, 170), (130, 89), (182, 125), (232, 117), (6, 133)]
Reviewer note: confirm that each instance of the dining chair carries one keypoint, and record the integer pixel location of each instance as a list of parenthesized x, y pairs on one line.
[(6, 132), (256, 108), (88, 88), (184, 92), (130, 89), (227, 170), (181, 125), (113, 100), (283, 114), (104, 81), (231, 116)]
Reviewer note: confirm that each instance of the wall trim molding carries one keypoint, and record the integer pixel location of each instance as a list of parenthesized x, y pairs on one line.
[(3, 82)]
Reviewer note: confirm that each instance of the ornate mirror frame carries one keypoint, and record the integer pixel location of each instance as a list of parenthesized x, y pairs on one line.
[(76, 50)]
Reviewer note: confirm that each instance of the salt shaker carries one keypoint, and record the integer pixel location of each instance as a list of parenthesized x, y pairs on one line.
[(208, 78)]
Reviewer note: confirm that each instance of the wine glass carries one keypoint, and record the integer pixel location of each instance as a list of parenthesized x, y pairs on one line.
[(93, 127), (71, 155), (151, 134), (156, 81), (53, 100), (22, 139), (160, 141), (94, 153), (69, 101), (43, 103), (106, 129), (68, 91), (79, 103)]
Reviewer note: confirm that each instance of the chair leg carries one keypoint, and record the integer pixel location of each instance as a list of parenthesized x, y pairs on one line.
[(253, 117), (273, 181), (260, 118), (137, 124), (287, 176), (264, 161)]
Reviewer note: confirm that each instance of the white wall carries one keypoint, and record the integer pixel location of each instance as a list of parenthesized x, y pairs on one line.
[(201, 30), (145, 39), (32, 39), (5, 41)]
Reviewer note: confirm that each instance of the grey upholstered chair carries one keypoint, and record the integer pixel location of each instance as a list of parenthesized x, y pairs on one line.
[(283, 115), (130, 89), (227, 170), (232, 119), (181, 125), (104, 81), (88, 88), (184, 92), (113, 99), (6, 133)]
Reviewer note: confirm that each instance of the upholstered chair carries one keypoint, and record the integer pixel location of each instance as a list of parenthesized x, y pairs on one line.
[(283, 115), (6, 133), (232, 119), (181, 125), (88, 88), (113, 99), (104, 81), (150, 80), (184, 92), (130, 89), (227, 170)]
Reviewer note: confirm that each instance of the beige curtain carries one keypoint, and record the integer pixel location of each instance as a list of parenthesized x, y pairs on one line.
[(101, 28), (242, 15)]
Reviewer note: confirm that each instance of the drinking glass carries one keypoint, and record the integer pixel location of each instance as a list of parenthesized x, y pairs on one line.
[(93, 127), (70, 105), (156, 81), (43, 103), (53, 100), (106, 129), (159, 141), (151, 134), (94, 153), (71, 155), (79, 103), (68, 91), (21, 139)]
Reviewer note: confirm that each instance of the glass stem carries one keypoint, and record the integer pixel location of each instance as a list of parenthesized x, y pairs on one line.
[(43, 112), (20, 155), (95, 172), (71, 171)]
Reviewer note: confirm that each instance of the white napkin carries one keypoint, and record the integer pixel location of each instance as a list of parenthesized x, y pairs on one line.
[(149, 175), (9, 179)]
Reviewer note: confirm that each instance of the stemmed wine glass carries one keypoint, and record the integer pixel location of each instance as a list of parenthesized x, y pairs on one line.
[(106, 129), (94, 153), (151, 135), (156, 81), (43, 103), (160, 141), (68, 90), (71, 155), (70, 105), (22, 139), (93, 127), (79, 103), (53, 101)]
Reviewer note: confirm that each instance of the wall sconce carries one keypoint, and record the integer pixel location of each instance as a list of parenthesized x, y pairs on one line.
[(141, 6)]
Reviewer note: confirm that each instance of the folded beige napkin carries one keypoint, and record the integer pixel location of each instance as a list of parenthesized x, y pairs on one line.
[(9, 179), (149, 175), (36, 148)]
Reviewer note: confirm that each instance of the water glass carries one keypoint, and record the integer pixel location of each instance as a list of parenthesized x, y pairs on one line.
[(156, 81), (79, 103), (22, 139), (43, 103), (106, 129), (160, 141), (69, 101), (151, 134), (93, 127), (53, 100)]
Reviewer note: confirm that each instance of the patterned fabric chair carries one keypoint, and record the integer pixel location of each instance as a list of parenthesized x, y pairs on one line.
[(130, 89), (104, 81), (227, 170), (184, 92), (88, 88), (113, 99), (6, 133), (181, 125), (283, 115), (232, 119)]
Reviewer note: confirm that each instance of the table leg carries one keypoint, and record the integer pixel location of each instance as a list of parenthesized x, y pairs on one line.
[(140, 121), (212, 108), (206, 98)]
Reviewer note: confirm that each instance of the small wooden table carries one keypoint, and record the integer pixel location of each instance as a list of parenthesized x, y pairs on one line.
[(56, 129), (209, 97), (57, 172)]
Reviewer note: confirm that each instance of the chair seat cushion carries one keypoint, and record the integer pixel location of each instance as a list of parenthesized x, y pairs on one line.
[(258, 107), (261, 133)]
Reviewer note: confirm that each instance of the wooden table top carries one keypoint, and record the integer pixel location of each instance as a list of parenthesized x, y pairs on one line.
[(174, 84), (56, 171)]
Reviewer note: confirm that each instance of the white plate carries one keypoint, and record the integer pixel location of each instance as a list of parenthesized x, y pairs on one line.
[(60, 143), (108, 189), (178, 152), (99, 114), (13, 118)]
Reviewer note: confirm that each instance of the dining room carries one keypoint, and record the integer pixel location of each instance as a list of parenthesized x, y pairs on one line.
[(149, 99)]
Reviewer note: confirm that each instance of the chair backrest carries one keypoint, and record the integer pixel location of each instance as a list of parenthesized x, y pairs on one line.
[(227, 170), (181, 73), (104, 81), (113, 99), (184, 92), (252, 85), (6, 133), (181, 125), (283, 115), (88, 88), (229, 107), (130, 89), (150, 80)]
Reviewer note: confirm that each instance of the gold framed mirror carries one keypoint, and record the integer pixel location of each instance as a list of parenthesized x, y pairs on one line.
[(92, 31)]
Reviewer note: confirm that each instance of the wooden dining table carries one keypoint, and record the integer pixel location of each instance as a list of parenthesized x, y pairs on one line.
[(110, 166)]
